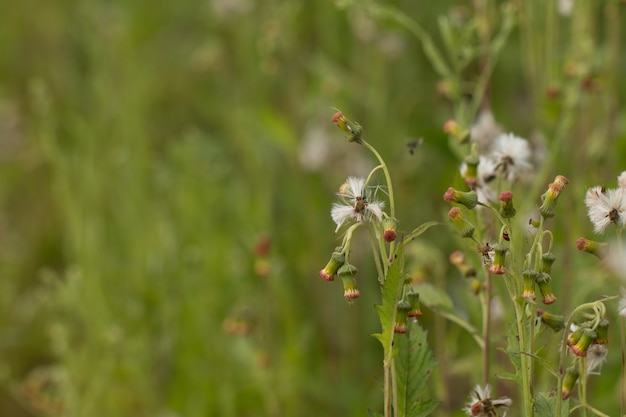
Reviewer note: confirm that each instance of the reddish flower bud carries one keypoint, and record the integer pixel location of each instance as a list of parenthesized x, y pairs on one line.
[(543, 282), (346, 273), (529, 277), (498, 260), (469, 199), (598, 249), (571, 376), (464, 227), (336, 261), (506, 207)]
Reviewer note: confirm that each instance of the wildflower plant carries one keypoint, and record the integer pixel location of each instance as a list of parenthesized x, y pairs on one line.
[(501, 213), (407, 359)]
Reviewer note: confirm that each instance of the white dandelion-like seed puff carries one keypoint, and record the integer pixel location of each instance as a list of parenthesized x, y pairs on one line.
[(512, 156), (605, 207), (621, 180), (481, 404), (356, 202), (596, 355)]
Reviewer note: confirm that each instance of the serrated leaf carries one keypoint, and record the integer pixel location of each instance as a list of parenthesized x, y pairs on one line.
[(546, 405), (433, 297), (513, 352), (390, 294), (425, 408), (414, 363)]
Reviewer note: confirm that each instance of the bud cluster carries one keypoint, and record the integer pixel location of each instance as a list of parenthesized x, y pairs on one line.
[(587, 333), (408, 307)]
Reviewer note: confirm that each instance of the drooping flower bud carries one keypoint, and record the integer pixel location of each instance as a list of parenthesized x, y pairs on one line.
[(553, 321), (463, 226), (602, 332), (498, 259), (574, 336), (352, 130), (549, 198), (390, 229), (529, 276), (587, 336), (543, 282), (507, 210), (457, 258), (402, 312), (598, 249), (346, 273), (336, 261), (467, 198), (571, 376), (547, 259), (414, 300)]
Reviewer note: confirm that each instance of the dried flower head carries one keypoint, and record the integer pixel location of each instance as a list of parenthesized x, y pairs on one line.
[(596, 356), (485, 131), (482, 405), (621, 180), (605, 207), (356, 202), (512, 155)]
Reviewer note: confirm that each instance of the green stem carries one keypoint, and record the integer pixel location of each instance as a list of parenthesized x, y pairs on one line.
[(486, 325), (383, 166), (387, 364), (582, 369), (392, 206), (622, 396), (525, 363), (381, 269)]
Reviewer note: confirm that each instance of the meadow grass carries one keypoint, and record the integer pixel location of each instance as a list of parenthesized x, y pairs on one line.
[(147, 150)]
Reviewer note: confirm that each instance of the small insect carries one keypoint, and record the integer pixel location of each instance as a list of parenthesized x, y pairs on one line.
[(505, 235), (484, 252), (613, 215), (414, 144), (360, 204)]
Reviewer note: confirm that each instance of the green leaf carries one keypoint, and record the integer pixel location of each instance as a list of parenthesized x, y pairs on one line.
[(434, 298), (546, 405), (419, 230), (414, 364), (390, 294), (372, 413), (514, 354)]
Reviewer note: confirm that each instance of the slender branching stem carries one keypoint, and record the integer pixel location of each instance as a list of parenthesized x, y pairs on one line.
[(392, 206)]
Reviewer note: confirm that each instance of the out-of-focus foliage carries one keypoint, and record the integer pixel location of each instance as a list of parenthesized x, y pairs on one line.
[(166, 174)]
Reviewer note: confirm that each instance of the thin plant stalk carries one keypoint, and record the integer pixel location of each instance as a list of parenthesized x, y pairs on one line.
[(486, 326), (392, 207), (622, 395)]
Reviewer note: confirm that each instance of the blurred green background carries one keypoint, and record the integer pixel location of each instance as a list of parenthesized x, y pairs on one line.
[(166, 176)]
